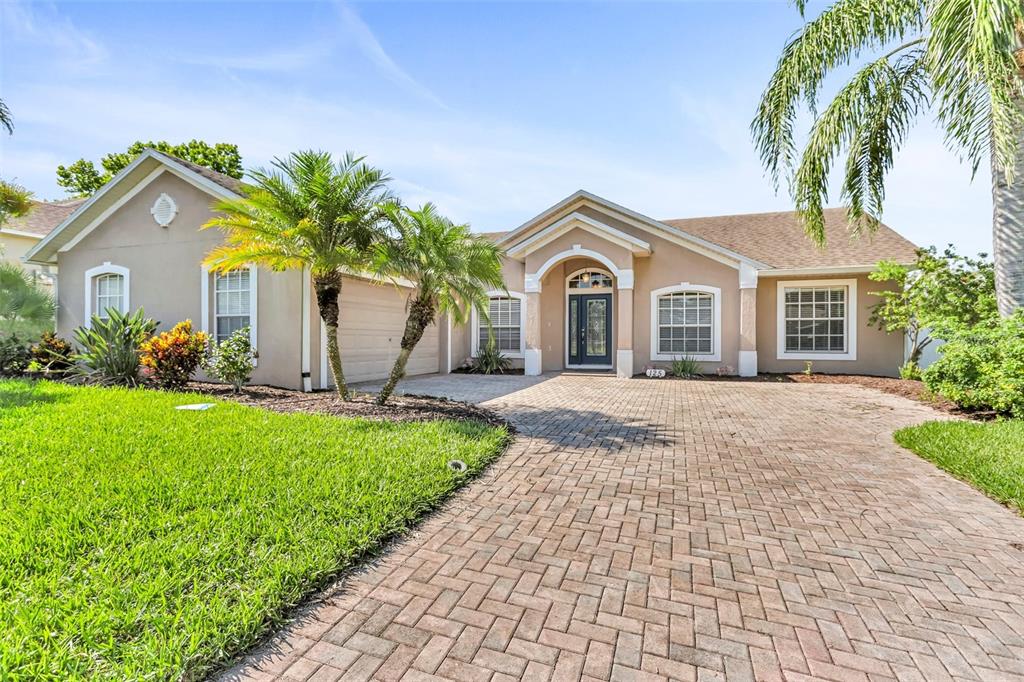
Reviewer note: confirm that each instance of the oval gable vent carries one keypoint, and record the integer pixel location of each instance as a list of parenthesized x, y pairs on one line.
[(164, 209)]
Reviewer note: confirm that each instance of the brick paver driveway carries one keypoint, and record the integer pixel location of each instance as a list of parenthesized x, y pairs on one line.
[(684, 530)]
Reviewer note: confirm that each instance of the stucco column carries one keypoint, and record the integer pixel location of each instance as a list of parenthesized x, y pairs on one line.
[(748, 321), (624, 334), (532, 359)]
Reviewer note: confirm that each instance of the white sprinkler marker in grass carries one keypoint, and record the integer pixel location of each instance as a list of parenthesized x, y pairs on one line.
[(195, 406)]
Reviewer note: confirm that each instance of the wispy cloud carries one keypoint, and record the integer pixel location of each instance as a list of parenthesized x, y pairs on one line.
[(375, 52), (38, 25), (272, 61)]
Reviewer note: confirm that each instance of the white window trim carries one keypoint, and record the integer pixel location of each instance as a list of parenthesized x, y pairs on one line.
[(851, 319), (522, 323), (716, 324), (106, 269), (210, 313)]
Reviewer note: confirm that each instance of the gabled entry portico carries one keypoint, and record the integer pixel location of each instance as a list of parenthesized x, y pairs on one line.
[(582, 265)]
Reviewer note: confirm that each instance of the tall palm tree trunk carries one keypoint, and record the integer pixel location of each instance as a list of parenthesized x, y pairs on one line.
[(1008, 234), (328, 294), (421, 314)]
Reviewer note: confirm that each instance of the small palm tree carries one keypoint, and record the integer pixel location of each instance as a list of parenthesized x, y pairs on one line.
[(307, 211), (26, 309), (451, 270), (962, 58)]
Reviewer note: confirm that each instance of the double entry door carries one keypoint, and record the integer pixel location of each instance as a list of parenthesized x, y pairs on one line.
[(590, 325)]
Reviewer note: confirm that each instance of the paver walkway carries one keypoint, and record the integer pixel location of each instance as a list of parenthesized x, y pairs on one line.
[(684, 530)]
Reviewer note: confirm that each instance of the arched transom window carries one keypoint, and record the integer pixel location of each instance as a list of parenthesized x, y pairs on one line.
[(590, 279)]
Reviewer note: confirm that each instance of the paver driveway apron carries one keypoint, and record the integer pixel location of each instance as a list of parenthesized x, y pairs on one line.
[(644, 529)]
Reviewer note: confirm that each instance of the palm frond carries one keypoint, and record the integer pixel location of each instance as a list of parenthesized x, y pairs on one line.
[(973, 52), (870, 117), (835, 38)]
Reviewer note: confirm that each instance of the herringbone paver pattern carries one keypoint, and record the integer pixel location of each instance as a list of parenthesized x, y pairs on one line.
[(646, 530)]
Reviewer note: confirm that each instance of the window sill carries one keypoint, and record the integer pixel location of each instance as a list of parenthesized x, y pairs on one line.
[(699, 357), (816, 356), (511, 356)]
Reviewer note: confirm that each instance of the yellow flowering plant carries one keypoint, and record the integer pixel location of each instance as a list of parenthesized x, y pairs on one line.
[(172, 357)]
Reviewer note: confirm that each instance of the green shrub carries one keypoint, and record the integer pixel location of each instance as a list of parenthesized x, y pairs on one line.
[(983, 368), (174, 356), (110, 348), (685, 367), (489, 360), (232, 360), (14, 355), (52, 353), (910, 370)]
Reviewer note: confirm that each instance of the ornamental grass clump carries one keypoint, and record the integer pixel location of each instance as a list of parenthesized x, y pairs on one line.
[(174, 356)]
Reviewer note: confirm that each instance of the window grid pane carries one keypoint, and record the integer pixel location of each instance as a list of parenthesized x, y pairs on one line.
[(685, 322), (505, 315), (815, 319), (231, 302), (109, 293)]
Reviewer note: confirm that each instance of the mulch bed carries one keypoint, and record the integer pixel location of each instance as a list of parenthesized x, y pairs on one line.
[(399, 408)]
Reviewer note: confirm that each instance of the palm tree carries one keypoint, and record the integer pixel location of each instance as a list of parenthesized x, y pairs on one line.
[(960, 58), (307, 211), (26, 309), (5, 118), (451, 270)]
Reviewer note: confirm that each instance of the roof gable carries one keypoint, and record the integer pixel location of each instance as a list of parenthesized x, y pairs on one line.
[(515, 240), (143, 170)]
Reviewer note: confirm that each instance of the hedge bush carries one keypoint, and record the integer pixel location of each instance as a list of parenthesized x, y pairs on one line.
[(983, 368)]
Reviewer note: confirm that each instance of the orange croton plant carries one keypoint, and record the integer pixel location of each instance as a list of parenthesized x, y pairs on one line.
[(174, 356)]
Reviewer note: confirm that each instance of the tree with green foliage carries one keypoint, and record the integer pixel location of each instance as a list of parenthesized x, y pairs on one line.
[(962, 59), (308, 212), (450, 268), (15, 201), (938, 294), (82, 178)]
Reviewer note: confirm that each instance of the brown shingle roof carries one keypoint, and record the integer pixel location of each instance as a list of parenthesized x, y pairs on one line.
[(225, 181), (43, 216), (493, 236), (778, 240)]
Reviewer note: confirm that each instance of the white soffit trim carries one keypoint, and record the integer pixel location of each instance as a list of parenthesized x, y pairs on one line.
[(834, 270), (19, 233), (680, 237), (578, 220)]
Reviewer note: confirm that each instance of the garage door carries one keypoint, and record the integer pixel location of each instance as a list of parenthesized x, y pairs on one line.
[(372, 322)]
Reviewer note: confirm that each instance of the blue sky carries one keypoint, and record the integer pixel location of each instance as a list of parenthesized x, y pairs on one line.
[(491, 110)]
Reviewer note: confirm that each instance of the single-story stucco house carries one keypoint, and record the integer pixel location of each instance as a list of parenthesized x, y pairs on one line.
[(590, 285)]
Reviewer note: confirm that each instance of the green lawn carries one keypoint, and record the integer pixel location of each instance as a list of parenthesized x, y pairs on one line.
[(989, 455), (142, 542)]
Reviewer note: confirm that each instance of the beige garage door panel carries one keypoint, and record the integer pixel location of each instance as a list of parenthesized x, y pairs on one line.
[(372, 322)]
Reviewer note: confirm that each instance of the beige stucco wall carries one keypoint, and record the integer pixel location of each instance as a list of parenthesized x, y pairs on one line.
[(13, 248), (165, 276), (878, 353)]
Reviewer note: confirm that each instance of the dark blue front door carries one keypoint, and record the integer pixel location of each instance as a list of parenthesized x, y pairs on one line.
[(590, 322)]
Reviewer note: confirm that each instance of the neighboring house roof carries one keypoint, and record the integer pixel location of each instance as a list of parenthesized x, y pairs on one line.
[(132, 178), (779, 240), (42, 218)]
